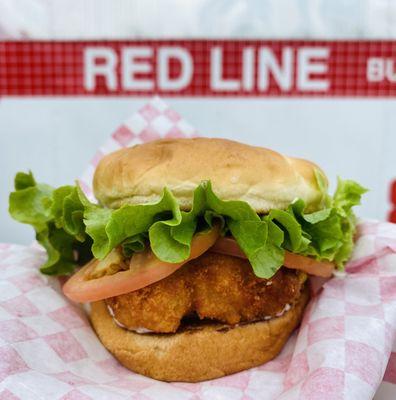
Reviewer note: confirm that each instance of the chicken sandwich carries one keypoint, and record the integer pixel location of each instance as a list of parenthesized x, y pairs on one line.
[(198, 250)]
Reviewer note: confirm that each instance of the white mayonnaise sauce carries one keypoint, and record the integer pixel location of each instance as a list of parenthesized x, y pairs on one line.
[(118, 323)]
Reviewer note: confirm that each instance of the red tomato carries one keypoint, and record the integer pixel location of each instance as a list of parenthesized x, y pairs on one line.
[(227, 245), (145, 269), (309, 265)]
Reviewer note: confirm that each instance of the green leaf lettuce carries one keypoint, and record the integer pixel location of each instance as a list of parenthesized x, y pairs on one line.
[(72, 229)]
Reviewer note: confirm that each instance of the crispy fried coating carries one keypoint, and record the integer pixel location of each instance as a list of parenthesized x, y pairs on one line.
[(213, 286)]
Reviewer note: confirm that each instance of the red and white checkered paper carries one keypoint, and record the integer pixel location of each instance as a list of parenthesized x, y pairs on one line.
[(48, 350)]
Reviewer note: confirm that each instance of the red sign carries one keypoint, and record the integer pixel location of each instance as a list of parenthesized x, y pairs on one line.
[(392, 213), (199, 68)]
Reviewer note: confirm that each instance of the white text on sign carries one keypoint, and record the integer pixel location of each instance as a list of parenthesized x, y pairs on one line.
[(141, 68), (381, 69)]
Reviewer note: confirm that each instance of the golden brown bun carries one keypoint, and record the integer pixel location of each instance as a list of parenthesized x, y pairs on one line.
[(261, 177), (196, 355)]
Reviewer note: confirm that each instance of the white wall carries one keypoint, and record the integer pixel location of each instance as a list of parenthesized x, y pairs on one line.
[(99, 19)]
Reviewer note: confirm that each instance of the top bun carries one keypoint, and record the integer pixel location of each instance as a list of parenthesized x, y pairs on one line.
[(261, 177)]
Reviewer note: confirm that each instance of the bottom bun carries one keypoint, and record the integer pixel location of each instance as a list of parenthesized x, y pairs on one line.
[(193, 355)]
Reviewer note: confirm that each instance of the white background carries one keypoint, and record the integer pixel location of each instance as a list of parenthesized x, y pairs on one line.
[(97, 19)]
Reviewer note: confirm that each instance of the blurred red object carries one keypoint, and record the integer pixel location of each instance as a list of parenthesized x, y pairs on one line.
[(392, 213)]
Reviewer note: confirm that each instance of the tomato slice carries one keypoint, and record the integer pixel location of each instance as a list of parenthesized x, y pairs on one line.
[(145, 269), (309, 265), (227, 245), (316, 284)]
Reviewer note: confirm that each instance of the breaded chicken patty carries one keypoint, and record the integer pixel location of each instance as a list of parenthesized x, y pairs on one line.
[(213, 286)]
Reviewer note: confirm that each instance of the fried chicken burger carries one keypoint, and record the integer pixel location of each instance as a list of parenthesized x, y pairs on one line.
[(199, 250)]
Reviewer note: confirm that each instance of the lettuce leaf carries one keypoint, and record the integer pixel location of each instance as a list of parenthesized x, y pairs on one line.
[(72, 229), (57, 217), (330, 230)]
